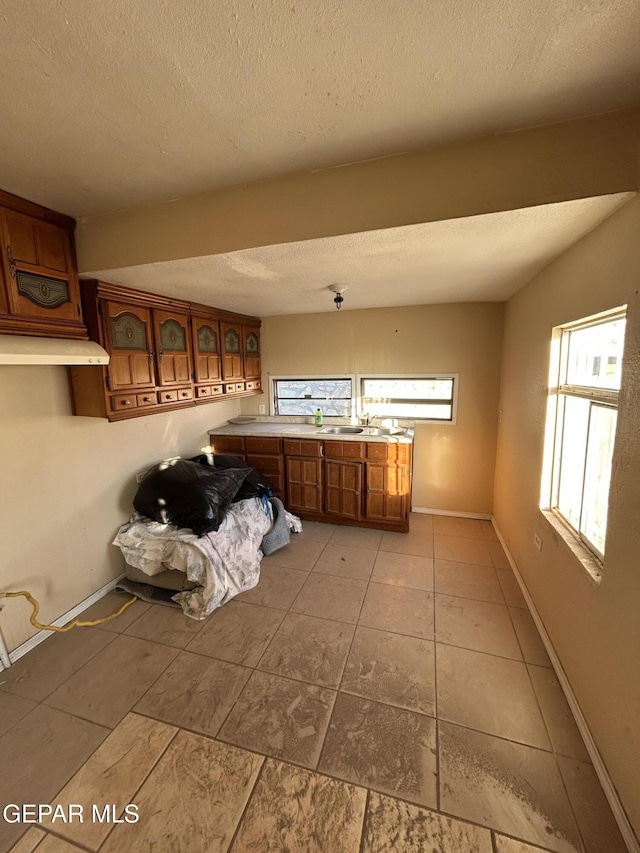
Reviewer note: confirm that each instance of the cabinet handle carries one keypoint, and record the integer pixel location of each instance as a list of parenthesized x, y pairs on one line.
[(12, 263), (145, 399), (126, 402), (150, 354), (160, 353)]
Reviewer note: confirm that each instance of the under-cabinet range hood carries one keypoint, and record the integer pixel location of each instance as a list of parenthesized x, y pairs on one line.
[(22, 349)]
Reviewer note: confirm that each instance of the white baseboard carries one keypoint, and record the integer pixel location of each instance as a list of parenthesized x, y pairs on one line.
[(482, 516), (61, 621), (626, 830)]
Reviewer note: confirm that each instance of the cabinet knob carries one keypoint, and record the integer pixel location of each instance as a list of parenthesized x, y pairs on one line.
[(145, 399), (126, 402)]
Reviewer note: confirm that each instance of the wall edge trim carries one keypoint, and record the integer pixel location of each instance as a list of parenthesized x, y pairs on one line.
[(610, 792), (482, 516), (67, 617)]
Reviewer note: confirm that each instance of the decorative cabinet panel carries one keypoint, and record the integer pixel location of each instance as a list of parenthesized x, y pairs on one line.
[(232, 361), (206, 346), (129, 336), (387, 492), (173, 347), (40, 295), (304, 484), (343, 488), (251, 347)]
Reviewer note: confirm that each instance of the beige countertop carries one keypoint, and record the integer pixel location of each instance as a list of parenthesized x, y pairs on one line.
[(297, 430)]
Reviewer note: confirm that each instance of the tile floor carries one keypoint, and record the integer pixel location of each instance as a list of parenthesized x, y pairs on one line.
[(375, 692)]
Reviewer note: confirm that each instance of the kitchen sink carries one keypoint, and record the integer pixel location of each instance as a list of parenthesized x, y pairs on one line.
[(383, 431), (345, 430)]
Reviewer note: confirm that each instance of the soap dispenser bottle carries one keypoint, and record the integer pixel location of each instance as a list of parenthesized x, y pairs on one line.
[(318, 418)]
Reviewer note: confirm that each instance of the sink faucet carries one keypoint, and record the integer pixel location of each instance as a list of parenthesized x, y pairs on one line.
[(366, 419)]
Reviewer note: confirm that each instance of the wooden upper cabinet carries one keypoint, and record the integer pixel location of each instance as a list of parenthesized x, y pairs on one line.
[(129, 334), (251, 347), (206, 347), (173, 347), (41, 281), (232, 362)]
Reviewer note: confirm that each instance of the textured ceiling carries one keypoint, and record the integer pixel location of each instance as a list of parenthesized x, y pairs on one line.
[(123, 103), (472, 259)]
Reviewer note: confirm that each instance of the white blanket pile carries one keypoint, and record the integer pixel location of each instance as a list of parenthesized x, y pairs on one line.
[(223, 564)]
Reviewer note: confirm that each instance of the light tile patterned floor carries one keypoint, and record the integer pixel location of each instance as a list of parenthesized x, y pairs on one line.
[(376, 692)]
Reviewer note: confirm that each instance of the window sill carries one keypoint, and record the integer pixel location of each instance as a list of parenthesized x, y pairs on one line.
[(587, 560)]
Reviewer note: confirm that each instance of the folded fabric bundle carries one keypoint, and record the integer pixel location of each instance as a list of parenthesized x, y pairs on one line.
[(188, 494)]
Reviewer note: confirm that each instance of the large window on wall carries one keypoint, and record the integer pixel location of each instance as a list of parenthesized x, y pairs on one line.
[(431, 398), (584, 403), (296, 395)]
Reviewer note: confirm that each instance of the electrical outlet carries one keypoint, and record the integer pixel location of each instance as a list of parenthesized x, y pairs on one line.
[(262, 409), (538, 542)]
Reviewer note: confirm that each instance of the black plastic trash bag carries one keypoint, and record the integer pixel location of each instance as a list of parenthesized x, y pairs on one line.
[(255, 486), (187, 494)]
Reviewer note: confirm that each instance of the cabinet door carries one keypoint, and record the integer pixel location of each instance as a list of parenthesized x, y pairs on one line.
[(304, 484), (386, 494), (206, 345), (343, 488), (40, 269), (251, 346), (173, 347), (232, 367), (128, 333)]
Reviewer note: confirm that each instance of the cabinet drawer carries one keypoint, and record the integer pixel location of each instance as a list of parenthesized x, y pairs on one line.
[(253, 385), (167, 396), (265, 462), (263, 445), (216, 390), (390, 452), (230, 388), (377, 450), (146, 399), (239, 386), (120, 402), (185, 394), (302, 447), (227, 443), (203, 391), (345, 449)]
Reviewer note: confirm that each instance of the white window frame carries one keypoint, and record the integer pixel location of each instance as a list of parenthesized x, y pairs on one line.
[(442, 421), (555, 421), (298, 377)]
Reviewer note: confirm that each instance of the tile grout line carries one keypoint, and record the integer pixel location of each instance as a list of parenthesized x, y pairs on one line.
[(62, 683), (147, 775), (246, 807), (435, 688), (346, 661), (365, 819), (84, 763)]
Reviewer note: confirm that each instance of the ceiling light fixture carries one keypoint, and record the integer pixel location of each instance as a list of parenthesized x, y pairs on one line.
[(338, 289)]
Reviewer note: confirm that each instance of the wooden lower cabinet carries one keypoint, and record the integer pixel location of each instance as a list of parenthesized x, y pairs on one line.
[(387, 492), (304, 483), (361, 483), (343, 489)]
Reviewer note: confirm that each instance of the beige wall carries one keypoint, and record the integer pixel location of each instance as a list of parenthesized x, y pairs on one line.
[(453, 464), (595, 628), (503, 172), (67, 485)]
